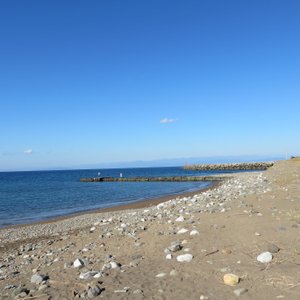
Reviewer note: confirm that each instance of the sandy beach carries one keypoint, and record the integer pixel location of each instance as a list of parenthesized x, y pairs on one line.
[(239, 239)]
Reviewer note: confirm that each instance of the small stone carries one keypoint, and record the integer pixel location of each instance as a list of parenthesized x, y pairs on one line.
[(160, 206), (173, 273), (22, 295), (19, 290), (10, 286), (231, 279), (169, 256), (43, 287), (240, 291), (257, 234), (174, 247), (78, 263), (88, 274), (226, 251), (182, 231), (121, 291), (94, 291), (160, 275), (37, 279), (184, 257), (224, 270), (265, 257), (180, 219), (272, 248), (115, 265), (194, 232), (92, 229)]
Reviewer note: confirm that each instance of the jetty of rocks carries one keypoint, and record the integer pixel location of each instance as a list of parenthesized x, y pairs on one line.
[(154, 179), (231, 166)]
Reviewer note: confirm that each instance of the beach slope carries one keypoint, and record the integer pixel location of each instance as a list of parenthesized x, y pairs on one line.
[(184, 248)]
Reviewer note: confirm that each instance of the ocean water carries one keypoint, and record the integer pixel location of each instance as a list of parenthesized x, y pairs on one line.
[(27, 197)]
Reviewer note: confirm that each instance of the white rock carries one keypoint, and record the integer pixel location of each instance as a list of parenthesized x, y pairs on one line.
[(114, 265), (173, 273), (88, 274), (194, 232), (169, 256), (182, 231), (160, 275), (265, 257), (37, 279), (184, 257), (240, 291), (78, 263), (92, 229), (180, 219), (160, 206)]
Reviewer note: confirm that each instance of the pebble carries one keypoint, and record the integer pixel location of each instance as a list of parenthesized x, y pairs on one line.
[(37, 279), (125, 290), (231, 279), (180, 219), (78, 263), (226, 251), (115, 265), (184, 257), (94, 291), (265, 257), (194, 232), (174, 247), (88, 274), (182, 231), (272, 248), (240, 291), (160, 275)]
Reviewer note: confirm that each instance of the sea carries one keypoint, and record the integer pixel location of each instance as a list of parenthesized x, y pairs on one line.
[(30, 196)]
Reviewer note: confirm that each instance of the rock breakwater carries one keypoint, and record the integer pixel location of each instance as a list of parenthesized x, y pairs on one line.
[(152, 179), (231, 166)]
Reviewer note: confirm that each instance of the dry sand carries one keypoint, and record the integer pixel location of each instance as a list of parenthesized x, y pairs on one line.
[(126, 250)]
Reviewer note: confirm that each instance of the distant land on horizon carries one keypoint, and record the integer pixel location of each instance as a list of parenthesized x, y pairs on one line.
[(173, 162)]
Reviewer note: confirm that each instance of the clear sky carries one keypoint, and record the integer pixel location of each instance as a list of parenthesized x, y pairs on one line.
[(91, 82)]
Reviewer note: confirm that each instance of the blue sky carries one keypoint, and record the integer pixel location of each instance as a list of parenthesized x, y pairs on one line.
[(92, 82)]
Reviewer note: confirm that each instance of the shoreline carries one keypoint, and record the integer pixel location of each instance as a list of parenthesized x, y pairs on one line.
[(182, 248), (139, 204)]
